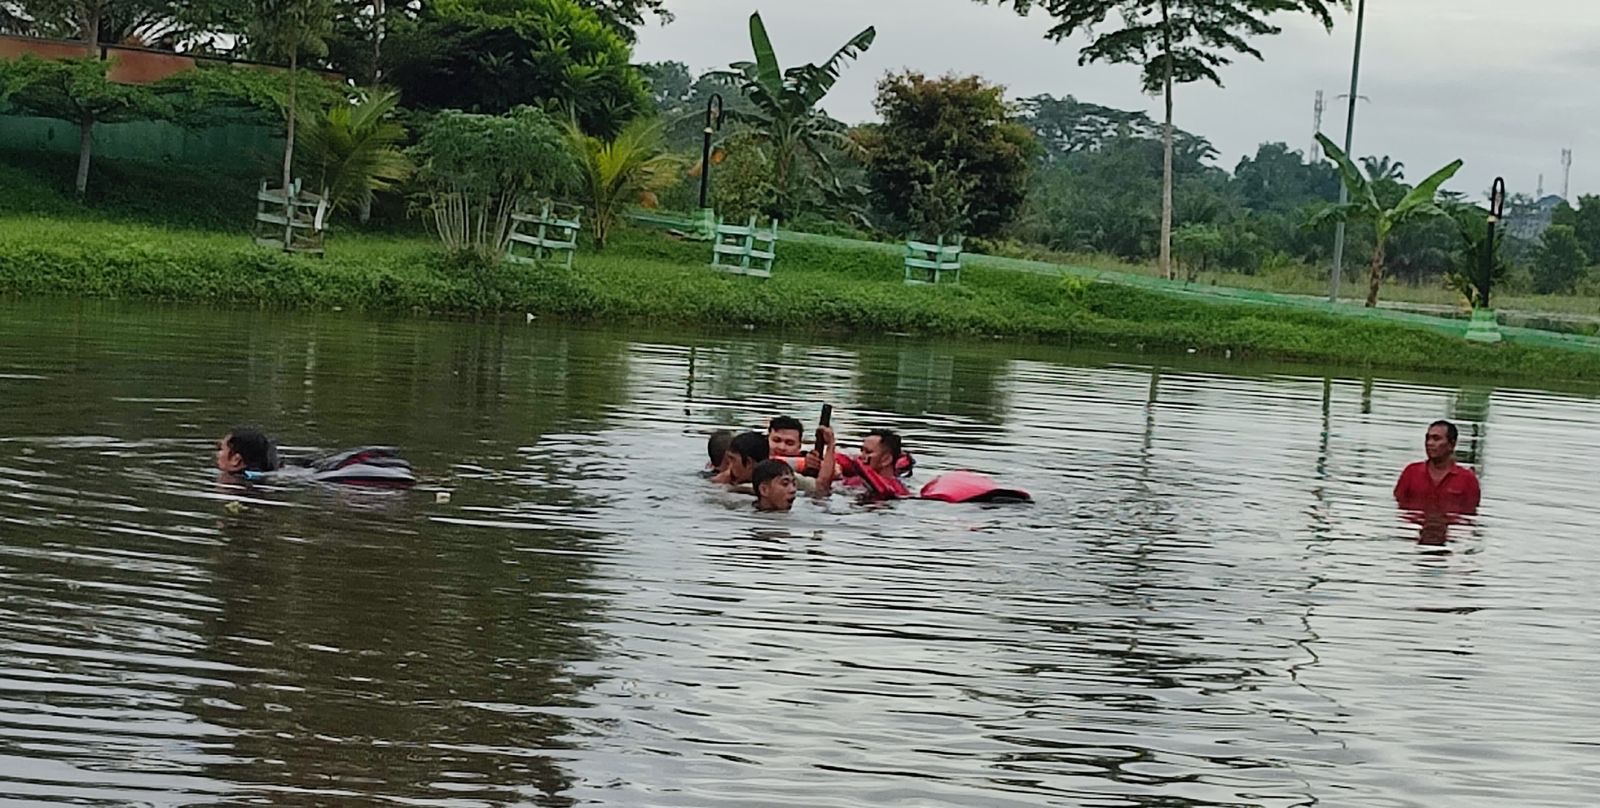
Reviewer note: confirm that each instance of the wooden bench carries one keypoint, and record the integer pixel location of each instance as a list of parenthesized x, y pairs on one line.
[(744, 249), (293, 221), (929, 263), (552, 231)]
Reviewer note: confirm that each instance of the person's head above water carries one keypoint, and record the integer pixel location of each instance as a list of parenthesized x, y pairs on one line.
[(880, 450), (1441, 441), (245, 449), (717, 447), (744, 453), (773, 481), (783, 436)]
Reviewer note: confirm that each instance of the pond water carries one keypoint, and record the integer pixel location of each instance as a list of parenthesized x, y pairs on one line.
[(1213, 601)]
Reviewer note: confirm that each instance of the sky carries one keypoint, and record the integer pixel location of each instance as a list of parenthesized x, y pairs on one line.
[(1503, 85)]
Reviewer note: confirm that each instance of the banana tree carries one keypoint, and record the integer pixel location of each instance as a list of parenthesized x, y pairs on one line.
[(785, 116), (1364, 206)]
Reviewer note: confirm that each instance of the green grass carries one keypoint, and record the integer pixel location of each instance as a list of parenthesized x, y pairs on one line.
[(649, 278)]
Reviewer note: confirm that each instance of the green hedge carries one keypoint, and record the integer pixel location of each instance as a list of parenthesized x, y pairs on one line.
[(650, 278)]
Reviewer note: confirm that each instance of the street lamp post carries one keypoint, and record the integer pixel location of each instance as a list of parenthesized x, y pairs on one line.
[(1484, 327), (713, 123), (1349, 138)]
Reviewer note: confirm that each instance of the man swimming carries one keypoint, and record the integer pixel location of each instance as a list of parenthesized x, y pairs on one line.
[(784, 436), (244, 451), (740, 460), (717, 452), (873, 471), (773, 482)]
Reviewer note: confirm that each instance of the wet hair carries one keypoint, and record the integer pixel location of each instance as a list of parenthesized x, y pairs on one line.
[(1450, 431), (717, 445), (766, 471), (890, 440), (752, 446), (784, 423), (254, 448)]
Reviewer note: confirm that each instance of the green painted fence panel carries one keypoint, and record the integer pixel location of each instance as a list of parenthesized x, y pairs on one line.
[(235, 148)]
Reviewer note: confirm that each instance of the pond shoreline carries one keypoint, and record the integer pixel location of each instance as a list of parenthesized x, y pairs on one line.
[(650, 278)]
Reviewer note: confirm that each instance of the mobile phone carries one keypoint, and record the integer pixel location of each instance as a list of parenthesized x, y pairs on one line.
[(827, 416)]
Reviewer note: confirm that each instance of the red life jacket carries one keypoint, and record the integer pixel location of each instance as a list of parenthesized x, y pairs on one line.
[(881, 487)]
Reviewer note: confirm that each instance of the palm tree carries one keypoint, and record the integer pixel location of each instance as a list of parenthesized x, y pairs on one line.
[(786, 117), (356, 149), (1364, 205), (285, 29), (1383, 168), (627, 170)]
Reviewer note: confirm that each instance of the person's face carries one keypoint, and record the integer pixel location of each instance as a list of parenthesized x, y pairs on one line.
[(778, 494), (227, 459), (784, 443), (1438, 443), (739, 468), (876, 456)]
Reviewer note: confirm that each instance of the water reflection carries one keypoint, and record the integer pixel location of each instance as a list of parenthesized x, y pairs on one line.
[(1214, 602)]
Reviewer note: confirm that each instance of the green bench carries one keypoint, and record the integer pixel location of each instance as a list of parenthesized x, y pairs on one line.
[(929, 263), (744, 249), (551, 231)]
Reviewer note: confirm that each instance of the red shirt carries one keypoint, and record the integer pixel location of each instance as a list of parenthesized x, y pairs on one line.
[(1457, 492)]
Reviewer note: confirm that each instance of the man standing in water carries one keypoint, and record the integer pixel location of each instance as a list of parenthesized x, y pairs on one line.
[(1439, 484), (740, 460)]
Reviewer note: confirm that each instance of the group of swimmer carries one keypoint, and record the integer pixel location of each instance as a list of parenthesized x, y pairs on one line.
[(770, 465)]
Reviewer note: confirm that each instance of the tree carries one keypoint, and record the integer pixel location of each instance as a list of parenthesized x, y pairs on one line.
[(1383, 168), (625, 15), (1279, 179), (491, 56), (785, 116), (1586, 225), (355, 149), (1196, 246), (1175, 42), (1559, 263), (626, 170), (480, 169), (287, 29), (78, 91), (1365, 205), (942, 133)]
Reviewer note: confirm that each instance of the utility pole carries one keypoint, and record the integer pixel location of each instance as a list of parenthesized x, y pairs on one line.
[(1349, 138), (1566, 174), (1315, 154)]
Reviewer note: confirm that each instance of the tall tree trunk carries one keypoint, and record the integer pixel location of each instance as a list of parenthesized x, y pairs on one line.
[(91, 28), (377, 42), (1166, 152), (288, 146), (1375, 274), (85, 147)]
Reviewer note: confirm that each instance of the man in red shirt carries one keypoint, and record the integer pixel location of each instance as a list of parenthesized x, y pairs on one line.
[(1439, 484)]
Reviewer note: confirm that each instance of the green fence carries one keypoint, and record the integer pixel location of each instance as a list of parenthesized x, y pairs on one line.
[(237, 149)]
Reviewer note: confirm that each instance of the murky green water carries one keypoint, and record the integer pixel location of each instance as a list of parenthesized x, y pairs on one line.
[(1212, 603)]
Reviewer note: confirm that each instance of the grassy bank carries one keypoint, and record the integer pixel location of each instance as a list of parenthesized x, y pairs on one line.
[(650, 278)]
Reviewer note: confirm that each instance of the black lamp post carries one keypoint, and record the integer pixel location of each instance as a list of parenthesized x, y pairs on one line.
[(713, 123), (1497, 209)]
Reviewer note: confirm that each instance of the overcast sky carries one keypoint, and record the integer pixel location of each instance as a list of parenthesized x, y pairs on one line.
[(1503, 85)]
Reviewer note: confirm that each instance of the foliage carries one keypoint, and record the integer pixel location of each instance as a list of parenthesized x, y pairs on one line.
[(626, 170), (742, 180), (1173, 42), (288, 29), (1365, 205), (1586, 225), (355, 149), (947, 155), (784, 113), (1465, 274), (490, 56), (1383, 168), (1278, 179), (1559, 263), (625, 15), (216, 95), (480, 169), (1067, 126), (79, 92), (1196, 247)]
